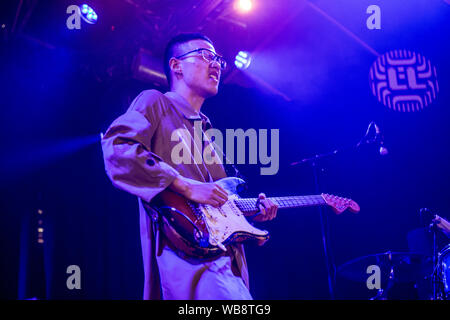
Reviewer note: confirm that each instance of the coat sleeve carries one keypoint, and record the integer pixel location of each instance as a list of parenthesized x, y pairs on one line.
[(129, 161)]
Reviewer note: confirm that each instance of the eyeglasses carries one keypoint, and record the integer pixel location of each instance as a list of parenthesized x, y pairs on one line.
[(209, 56)]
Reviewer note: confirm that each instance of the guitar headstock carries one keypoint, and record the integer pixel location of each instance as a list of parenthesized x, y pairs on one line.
[(339, 204)]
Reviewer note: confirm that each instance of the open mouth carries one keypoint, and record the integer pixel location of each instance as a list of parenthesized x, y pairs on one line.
[(214, 76)]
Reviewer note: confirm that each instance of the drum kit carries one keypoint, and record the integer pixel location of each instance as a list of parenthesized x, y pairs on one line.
[(404, 275)]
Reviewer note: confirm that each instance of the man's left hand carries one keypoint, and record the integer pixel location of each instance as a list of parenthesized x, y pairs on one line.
[(267, 207)]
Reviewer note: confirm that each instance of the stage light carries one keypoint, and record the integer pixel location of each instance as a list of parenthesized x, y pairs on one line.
[(88, 14), (243, 6), (243, 60)]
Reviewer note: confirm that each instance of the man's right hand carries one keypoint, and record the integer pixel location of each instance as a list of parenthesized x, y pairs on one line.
[(200, 192)]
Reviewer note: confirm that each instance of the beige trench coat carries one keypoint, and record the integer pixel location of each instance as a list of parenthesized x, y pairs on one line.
[(137, 155)]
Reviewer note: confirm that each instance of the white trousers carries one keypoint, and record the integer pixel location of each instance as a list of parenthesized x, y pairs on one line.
[(214, 280)]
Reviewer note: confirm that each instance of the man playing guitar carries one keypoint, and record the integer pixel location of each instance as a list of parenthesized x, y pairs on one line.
[(137, 154)]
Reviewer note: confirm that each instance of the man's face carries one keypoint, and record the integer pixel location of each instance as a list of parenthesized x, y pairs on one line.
[(200, 76)]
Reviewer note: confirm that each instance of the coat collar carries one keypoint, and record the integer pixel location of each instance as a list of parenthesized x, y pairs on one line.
[(184, 107)]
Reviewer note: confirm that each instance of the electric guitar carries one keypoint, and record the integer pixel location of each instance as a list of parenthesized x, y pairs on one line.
[(204, 231)]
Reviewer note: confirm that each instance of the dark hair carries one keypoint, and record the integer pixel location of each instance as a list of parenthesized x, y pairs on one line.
[(172, 46)]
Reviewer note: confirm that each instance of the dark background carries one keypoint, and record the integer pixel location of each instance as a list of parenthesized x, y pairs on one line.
[(60, 88)]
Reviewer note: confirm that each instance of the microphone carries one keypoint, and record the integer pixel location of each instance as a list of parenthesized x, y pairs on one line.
[(379, 138)]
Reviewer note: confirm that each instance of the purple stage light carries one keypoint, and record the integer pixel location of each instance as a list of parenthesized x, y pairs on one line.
[(243, 6)]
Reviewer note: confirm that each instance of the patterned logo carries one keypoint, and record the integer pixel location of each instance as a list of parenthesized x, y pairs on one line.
[(404, 81)]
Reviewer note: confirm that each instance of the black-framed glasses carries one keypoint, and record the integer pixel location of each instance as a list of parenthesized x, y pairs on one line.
[(208, 55)]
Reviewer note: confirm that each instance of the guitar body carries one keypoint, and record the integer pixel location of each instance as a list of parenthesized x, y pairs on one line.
[(203, 231)]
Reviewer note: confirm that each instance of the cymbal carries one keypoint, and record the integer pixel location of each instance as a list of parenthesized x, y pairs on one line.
[(403, 266)]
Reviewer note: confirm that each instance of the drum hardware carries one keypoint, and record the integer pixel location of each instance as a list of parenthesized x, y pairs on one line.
[(398, 269), (428, 217), (429, 270), (443, 273)]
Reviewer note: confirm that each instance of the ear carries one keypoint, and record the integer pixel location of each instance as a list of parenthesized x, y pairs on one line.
[(175, 66)]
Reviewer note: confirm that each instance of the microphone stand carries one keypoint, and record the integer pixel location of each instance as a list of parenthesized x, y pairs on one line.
[(331, 269), (317, 168), (366, 140), (433, 229)]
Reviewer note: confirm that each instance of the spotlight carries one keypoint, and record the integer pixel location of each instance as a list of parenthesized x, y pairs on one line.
[(243, 6), (243, 60), (88, 14)]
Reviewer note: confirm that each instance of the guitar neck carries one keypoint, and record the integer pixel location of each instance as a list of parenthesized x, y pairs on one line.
[(248, 205)]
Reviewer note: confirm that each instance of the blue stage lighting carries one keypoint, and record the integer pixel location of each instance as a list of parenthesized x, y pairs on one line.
[(243, 60), (88, 14)]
